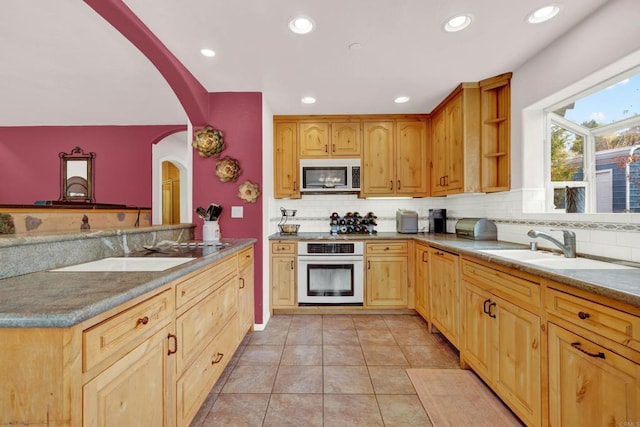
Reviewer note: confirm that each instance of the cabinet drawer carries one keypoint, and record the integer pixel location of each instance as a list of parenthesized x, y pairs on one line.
[(616, 325), (196, 383), (245, 258), (120, 333), (204, 320), (512, 288), (283, 248), (383, 248), (206, 280)]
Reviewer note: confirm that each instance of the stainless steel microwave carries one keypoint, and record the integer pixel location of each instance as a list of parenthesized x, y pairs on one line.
[(330, 175)]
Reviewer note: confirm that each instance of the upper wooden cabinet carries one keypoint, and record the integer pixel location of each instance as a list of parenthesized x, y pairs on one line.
[(495, 108), (455, 142), (395, 155), (340, 139), (285, 159)]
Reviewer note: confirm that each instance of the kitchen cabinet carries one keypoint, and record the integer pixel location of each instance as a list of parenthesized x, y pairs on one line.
[(422, 280), (455, 142), (495, 110), (245, 291), (285, 159), (395, 155), (501, 339), (594, 359), (339, 139), (387, 274), (283, 274), (444, 295), (149, 361)]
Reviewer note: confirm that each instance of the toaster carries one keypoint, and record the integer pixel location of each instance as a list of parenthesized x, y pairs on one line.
[(406, 221)]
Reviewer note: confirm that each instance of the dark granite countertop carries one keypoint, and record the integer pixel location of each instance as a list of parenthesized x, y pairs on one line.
[(618, 284), (51, 299)]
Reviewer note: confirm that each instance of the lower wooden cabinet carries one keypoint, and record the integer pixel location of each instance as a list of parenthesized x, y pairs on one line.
[(387, 274), (136, 390), (421, 263), (245, 291), (283, 274), (444, 287), (589, 385)]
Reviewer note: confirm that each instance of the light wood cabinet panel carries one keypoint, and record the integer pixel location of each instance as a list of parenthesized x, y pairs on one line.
[(283, 281), (455, 142), (345, 139), (136, 390), (422, 280), (378, 165), (518, 371), (245, 291), (590, 385), (478, 330), (315, 140), (285, 155), (445, 293), (386, 281), (412, 174)]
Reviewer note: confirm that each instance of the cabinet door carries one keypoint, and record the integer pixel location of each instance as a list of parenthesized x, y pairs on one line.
[(455, 146), (283, 281), (411, 158), (286, 182), (518, 371), (387, 279), (378, 175), (445, 293), (245, 292), (136, 390), (439, 153), (345, 139), (478, 326), (590, 385), (314, 140), (422, 280)]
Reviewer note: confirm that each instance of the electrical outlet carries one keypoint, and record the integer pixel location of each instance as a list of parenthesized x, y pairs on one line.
[(237, 211)]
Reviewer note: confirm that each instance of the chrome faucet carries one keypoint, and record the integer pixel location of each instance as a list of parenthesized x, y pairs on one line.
[(569, 246)]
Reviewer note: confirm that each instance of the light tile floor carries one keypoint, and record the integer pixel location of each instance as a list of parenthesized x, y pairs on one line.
[(332, 370)]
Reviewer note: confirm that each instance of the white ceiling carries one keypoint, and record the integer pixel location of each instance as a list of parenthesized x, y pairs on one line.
[(62, 64)]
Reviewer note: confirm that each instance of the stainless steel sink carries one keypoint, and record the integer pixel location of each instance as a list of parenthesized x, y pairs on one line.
[(126, 264), (553, 260)]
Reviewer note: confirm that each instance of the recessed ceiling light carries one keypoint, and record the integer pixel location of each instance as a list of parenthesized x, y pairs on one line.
[(308, 100), (543, 14), (401, 99), (207, 52), (301, 25), (457, 23)]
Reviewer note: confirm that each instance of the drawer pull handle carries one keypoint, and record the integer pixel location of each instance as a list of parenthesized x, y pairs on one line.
[(242, 283), (423, 258), (583, 315), (175, 344), (485, 309), (217, 359), (576, 345), (143, 320), (292, 264), (491, 313), (391, 185)]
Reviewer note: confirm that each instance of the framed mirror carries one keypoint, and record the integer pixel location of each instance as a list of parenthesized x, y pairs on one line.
[(77, 176)]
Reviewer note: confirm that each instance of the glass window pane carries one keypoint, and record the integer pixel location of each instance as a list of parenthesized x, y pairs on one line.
[(567, 155)]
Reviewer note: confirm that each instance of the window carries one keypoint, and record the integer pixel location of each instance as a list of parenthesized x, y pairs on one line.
[(593, 147)]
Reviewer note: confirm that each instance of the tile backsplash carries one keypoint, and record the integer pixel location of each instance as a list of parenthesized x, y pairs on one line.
[(610, 235)]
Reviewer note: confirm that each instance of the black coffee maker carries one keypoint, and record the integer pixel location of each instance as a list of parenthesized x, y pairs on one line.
[(437, 220)]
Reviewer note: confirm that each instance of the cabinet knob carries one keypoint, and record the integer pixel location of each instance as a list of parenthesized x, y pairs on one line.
[(143, 320), (583, 315), (217, 359)]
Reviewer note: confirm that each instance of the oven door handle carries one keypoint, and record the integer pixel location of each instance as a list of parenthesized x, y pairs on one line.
[(327, 259)]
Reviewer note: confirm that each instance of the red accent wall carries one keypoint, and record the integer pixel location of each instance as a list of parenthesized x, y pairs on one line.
[(30, 166), (239, 116)]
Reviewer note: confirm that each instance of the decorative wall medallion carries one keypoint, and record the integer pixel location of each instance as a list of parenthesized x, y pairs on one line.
[(249, 192), (228, 169), (209, 142)]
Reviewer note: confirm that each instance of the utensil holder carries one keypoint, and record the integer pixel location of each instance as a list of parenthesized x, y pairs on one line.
[(211, 231)]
